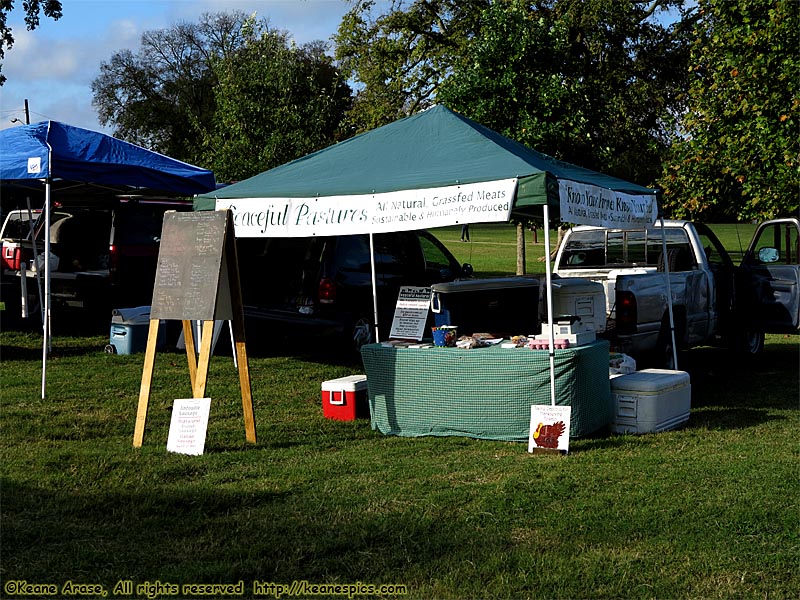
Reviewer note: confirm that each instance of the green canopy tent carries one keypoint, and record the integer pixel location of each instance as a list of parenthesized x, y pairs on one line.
[(431, 169)]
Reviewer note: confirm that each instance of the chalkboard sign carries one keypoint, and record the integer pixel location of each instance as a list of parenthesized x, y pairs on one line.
[(197, 279), (190, 261)]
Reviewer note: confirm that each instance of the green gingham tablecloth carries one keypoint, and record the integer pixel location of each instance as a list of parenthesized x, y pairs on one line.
[(483, 393)]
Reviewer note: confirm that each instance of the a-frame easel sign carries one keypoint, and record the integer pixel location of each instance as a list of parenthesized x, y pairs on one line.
[(197, 279)]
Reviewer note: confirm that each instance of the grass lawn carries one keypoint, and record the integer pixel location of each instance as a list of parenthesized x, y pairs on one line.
[(707, 511)]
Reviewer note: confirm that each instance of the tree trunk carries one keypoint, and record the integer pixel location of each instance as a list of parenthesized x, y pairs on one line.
[(561, 232), (520, 249)]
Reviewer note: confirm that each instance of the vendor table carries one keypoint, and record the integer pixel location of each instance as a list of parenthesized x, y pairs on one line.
[(483, 393)]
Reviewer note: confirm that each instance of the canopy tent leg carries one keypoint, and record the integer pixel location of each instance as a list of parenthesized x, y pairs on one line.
[(35, 254), (374, 285), (46, 313), (669, 295), (549, 279)]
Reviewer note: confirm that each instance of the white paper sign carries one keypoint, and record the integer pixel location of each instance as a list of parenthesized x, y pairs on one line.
[(591, 205), (404, 210), (411, 313), (187, 429), (549, 427), (34, 165)]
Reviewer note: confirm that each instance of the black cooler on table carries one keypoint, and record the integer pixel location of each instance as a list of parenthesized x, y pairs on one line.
[(503, 306)]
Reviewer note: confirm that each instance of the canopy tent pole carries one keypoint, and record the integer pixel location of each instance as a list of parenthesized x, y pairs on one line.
[(669, 294), (549, 279), (46, 314), (374, 285), (35, 254)]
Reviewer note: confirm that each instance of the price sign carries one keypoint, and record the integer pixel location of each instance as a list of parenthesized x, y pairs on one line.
[(411, 313), (187, 428)]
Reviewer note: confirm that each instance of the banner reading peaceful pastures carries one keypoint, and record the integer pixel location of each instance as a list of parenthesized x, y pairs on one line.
[(404, 210), (591, 205)]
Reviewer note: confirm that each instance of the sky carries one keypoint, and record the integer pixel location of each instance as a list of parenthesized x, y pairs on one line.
[(53, 66)]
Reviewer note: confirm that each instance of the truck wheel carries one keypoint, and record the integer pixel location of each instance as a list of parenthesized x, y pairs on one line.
[(663, 357), (362, 333), (752, 342)]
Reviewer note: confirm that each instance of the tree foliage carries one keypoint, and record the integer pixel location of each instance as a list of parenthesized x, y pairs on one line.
[(593, 82), (398, 59), (275, 102), (739, 157), (33, 8), (227, 92), (162, 96)]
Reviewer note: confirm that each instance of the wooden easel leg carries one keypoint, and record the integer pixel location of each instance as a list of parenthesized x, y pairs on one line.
[(244, 380), (191, 357), (199, 387), (147, 379)]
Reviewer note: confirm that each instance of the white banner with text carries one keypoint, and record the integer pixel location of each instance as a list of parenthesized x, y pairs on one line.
[(405, 210), (585, 204)]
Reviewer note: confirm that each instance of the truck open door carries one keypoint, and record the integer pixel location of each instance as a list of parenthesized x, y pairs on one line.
[(769, 288)]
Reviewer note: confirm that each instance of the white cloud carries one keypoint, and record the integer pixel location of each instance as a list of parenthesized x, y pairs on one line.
[(54, 66)]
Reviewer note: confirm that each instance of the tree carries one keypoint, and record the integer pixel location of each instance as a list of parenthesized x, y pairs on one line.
[(592, 82), (228, 93), (738, 159), (162, 97), (275, 102), (33, 8), (399, 59)]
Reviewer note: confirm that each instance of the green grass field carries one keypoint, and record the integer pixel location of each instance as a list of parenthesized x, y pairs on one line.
[(706, 511), (492, 247)]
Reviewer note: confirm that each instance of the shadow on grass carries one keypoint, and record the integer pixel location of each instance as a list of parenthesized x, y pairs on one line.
[(721, 379), (189, 535), (729, 418)]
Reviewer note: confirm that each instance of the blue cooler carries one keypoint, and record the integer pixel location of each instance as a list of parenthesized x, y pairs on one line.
[(502, 306), (129, 329)]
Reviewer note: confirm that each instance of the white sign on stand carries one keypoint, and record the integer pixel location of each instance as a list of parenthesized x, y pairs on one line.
[(549, 428), (411, 313), (187, 429)]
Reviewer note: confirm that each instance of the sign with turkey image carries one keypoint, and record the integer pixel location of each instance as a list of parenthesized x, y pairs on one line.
[(549, 428)]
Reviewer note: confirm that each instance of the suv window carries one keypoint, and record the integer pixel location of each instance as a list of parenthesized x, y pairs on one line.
[(17, 225), (352, 253), (399, 254), (435, 258)]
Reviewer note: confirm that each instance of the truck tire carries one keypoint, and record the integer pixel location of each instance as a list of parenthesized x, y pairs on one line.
[(663, 357), (362, 333), (752, 342)]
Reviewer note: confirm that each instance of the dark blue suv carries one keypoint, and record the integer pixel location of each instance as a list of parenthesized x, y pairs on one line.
[(323, 285)]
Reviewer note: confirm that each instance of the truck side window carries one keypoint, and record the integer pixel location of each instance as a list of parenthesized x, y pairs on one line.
[(715, 254), (615, 249), (584, 249), (637, 254), (676, 239)]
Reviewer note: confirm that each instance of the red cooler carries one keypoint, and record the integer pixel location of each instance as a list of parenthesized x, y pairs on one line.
[(345, 398), (14, 254)]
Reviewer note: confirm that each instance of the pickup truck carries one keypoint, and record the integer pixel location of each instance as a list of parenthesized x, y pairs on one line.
[(104, 255), (714, 301)]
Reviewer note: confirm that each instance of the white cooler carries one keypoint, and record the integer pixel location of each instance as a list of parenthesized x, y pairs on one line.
[(582, 298), (650, 400)]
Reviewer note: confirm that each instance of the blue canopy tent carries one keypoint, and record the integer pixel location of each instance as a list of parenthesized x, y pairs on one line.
[(47, 153)]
